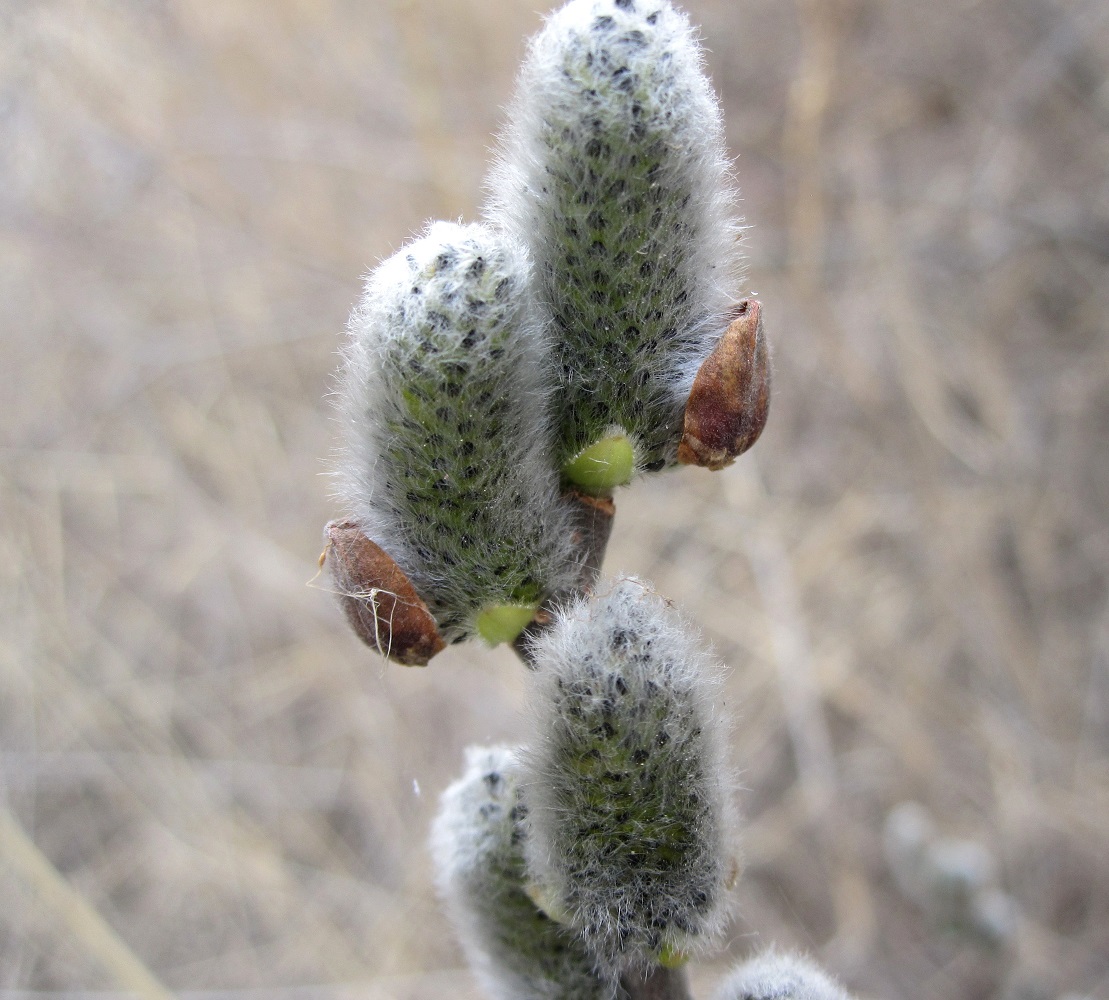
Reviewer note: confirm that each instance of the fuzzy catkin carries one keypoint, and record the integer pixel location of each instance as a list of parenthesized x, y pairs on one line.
[(516, 951), (778, 975), (447, 463), (953, 880), (631, 817), (613, 171)]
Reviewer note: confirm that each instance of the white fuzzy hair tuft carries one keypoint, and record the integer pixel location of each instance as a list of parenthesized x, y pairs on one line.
[(776, 975)]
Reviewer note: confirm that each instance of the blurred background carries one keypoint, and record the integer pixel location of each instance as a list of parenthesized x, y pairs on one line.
[(209, 787)]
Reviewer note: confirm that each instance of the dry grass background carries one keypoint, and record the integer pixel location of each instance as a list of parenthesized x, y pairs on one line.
[(208, 786)]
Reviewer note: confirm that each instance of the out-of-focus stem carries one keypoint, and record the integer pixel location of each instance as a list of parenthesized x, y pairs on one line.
[(809, 97), (86, 923)]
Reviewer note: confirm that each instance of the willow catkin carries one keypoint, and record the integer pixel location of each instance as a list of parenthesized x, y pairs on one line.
[(614, 173), (631, 818), (477, 841), (448, 464)]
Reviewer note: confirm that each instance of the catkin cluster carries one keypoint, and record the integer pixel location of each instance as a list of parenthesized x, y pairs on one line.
[(625, 835), (500, 379), (490, 365)]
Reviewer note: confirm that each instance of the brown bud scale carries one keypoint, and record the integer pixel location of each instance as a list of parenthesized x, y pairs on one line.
[(379, 601), (728, 404)]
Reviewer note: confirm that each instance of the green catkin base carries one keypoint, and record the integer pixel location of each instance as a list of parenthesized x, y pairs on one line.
[(613, 172), (604, 465), (448, 462), (477, 841), (499, 623), (630, 806)]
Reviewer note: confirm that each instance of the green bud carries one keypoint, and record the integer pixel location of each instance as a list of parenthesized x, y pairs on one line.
[(631, 817), (503, 622), (602, 466)]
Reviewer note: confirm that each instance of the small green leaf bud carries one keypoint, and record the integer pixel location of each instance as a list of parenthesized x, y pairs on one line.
[(630, 804), (602, 466), (672, 958), (499, 623)]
